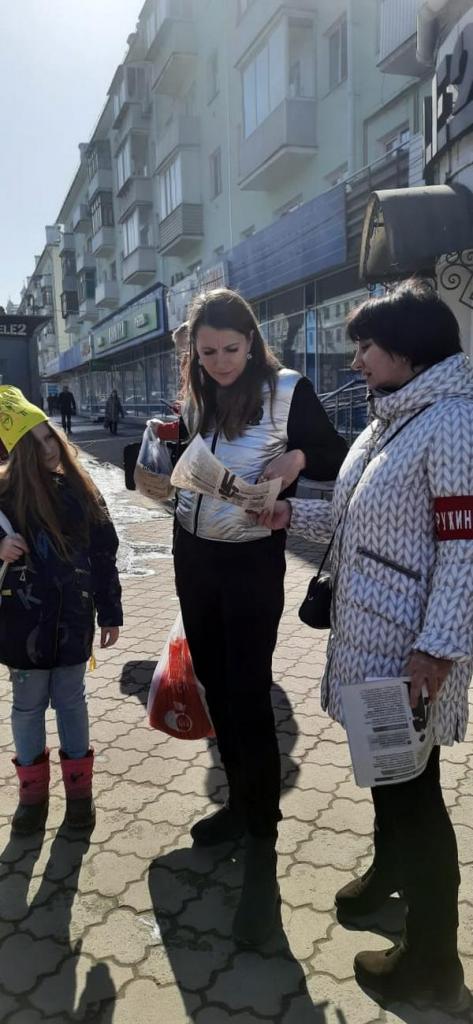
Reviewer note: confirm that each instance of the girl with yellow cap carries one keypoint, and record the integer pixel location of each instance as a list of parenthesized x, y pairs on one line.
[(58, 548)]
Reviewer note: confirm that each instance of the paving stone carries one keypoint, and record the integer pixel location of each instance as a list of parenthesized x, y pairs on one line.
[(333, 849), (337, 1002), (146, 1002), (79, 985), (348, 815), (307, 885), (24, 959), (304, 927), (7, 1006), (122, 935), (109, 873), (256, 983), (305, 804)]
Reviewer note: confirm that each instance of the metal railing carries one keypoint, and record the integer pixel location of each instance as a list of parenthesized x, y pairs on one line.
[(347, 408)]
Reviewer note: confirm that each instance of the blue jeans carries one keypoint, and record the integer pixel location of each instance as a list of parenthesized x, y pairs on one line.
[(33, 691)]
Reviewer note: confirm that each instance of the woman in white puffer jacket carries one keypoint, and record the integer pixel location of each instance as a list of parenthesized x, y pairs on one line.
[(402, 571)]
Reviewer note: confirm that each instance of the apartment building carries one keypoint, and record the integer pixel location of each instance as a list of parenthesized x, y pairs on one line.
[(238, 144), (431, 231)]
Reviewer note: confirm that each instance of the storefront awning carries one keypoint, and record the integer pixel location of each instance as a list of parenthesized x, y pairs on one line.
[(406, 229)]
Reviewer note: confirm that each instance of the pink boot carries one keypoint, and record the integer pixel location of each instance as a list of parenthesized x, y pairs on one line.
[(77, 777), (32, 810)]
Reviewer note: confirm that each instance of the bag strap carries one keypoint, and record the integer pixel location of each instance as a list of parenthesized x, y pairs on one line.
[(345, 507)]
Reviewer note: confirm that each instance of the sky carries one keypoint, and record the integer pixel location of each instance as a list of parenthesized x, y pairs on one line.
[(57, 59)]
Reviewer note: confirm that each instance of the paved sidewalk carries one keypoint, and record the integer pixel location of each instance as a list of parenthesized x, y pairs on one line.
[(134, 926)]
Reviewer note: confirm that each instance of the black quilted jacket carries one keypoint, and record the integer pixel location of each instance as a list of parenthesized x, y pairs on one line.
[(48, 605)]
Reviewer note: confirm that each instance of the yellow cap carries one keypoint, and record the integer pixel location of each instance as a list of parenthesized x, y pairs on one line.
[(17, 416)]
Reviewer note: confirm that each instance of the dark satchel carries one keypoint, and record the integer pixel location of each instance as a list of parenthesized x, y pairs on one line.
[(315, 608)]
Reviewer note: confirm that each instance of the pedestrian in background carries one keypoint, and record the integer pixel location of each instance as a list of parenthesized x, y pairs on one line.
[(402, 574), (113, 410), (262, 421), (60, 559), (67, 407)]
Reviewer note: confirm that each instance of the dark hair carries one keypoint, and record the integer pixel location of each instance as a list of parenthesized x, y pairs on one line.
[(229, 409), (409, 321)]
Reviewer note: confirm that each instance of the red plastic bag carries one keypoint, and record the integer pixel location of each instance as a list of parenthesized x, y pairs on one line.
[(176, 700)]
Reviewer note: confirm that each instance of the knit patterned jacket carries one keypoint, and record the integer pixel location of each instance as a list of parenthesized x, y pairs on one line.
[(402, 563)]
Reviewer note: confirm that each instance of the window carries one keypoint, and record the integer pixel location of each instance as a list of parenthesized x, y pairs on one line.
[(132, 159), (136, 230), (400, 138), (215, 161), (68, 264), (98, 158), (47, 296), (69, 304), (86, 285), (101, 211), (337, 54), (243, 6), (212, 76), (263, 81), (289, 207), (170, 188)]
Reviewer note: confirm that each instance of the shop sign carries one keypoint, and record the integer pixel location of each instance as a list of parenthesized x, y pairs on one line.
[(180, 296), (448, 113), (143, 319)]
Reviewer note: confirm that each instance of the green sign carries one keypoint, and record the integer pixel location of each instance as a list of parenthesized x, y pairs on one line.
[(138, 321)]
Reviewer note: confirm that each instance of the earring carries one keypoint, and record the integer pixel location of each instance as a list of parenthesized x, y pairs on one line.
[(249, 356)]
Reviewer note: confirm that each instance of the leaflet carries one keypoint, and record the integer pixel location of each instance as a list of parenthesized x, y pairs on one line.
[(199, 470), (389, 741)]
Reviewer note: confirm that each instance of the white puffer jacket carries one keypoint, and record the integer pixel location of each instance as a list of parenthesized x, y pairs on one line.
[(402, 560)]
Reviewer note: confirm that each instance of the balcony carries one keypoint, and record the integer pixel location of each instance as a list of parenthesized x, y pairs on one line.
[(254, 22), (87, 310), (137, 192), (106, 295), (128, 88), (103, 242), (85, 261), (181, 229), (276, 148), (66, 242), (140, 266), (102, 181), (81, 219), (182, 132), (177, 54), (398, 37), (158, 24), (72, 323)]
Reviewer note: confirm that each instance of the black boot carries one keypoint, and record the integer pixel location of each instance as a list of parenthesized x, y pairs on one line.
[(397, 974), (365, 894), (257, 915), (222, 826), (228, 823)]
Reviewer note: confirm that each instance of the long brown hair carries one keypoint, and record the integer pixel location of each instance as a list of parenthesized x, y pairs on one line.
[(230, 409), (31, 492)]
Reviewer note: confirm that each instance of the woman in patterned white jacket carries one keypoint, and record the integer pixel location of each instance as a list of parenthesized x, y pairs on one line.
[(402, 571)]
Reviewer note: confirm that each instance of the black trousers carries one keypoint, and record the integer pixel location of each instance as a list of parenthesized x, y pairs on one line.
[(66, 421), (113, 426), (415, 845), (232, 597)]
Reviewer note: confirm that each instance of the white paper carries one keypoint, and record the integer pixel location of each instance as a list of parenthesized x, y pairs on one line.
[(199, 470), (389, 741)]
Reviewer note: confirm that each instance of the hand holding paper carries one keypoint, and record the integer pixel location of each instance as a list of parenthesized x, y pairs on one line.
[(199, 470)]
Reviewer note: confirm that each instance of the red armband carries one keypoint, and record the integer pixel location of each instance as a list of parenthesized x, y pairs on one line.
[(454, 517)]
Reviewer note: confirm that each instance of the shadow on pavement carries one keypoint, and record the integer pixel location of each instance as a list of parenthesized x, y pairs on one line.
[(194, 893), (135, 681), (38, 956)]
